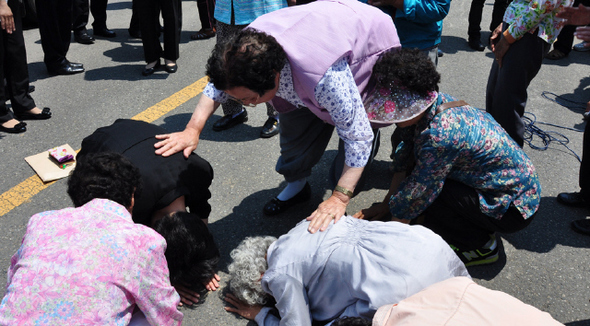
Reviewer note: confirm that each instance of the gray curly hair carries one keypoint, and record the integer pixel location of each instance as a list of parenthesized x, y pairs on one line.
[(249, 263)]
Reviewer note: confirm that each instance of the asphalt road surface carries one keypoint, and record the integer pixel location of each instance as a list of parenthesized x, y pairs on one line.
[(545, 265)]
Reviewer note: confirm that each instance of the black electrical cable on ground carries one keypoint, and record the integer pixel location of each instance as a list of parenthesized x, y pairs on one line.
[(547, 137)]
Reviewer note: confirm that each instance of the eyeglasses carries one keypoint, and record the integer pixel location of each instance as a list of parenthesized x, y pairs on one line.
[(241, 101)]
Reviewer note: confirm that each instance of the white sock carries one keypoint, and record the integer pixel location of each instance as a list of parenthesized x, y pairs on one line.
[(292, 189)]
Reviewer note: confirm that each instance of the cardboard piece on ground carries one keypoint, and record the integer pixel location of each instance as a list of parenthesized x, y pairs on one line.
[(47, 168)]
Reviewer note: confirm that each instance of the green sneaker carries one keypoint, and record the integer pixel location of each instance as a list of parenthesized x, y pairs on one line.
[(487, 254)]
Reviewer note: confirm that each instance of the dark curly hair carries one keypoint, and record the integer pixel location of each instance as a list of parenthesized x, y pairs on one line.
[(103, 175), (251, 59), (191, 253), (407, 68), (351, 321)]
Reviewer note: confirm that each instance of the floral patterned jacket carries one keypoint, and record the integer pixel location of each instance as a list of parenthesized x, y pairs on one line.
[(89, 265), (467, 145), (524, 16)]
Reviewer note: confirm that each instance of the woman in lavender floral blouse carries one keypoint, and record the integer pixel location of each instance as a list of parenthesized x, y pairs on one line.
[(457, 171)]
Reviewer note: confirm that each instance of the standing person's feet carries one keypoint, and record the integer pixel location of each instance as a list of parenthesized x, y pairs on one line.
[(83, 37), (581, 226), (476, 44), (572, 199), (34, 114), (229, 121), (203, 34), (69, 68), (104, 32), (170, 66), (151, 67), (270, 128), (13, 126), (582, 47), (555, 54)]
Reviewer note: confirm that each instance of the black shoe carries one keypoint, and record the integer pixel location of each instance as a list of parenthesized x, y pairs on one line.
[(270, 128), (44, 115), (104, 32), (439, 53), (227, 121), (170, 68), (581, 226), (276, 206), (134, 33), (149, 71), (17, 129), (31, 88), (572, 199), (66, 69), (476, 45), (82, 37), (76, 64)]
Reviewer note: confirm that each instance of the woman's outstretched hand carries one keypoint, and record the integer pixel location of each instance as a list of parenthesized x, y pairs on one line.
[(242, 309)]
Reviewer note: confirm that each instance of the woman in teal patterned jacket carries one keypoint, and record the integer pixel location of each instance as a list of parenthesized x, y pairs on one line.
[(457, 171)]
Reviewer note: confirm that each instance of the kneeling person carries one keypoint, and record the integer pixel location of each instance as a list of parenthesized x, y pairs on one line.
[(455, 165)]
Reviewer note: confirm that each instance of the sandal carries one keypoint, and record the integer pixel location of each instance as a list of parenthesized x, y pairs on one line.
[(555, 54), (203, 34)]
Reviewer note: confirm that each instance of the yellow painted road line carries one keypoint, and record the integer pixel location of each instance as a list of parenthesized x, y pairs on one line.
[(22, 192)]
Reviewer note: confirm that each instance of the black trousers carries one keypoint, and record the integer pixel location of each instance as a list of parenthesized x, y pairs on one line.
[(55, 25), (475, 14), (13, 61), (585, 166), (149, 12), (506, 93), (80, 13), (206, 11), (456, 216)]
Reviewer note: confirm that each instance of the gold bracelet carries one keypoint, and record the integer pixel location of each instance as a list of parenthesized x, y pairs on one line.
[(344, 191)]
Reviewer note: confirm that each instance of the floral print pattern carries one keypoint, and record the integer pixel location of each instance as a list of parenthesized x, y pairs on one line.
[(524, 16), (338, 94), (467, 145), (89, 266)]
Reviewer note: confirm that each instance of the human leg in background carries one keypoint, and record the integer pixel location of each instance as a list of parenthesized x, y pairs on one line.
[(148, 12), (473, 31), (206, 10), (16, 72), (80, 14), (98, 8), (506, 93), (134, 29), (172, 16), (233, 112)]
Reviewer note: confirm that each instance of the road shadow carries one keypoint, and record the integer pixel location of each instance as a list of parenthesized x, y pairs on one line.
[(550, 227)]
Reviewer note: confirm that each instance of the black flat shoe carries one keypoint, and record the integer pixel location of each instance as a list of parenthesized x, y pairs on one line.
[(17, 129), (574, 199), (171, 68), (148, 71), (75, 64), (227, 121), (82, 37), (276, 206), (581, 226), (476, 45), (44, 115), (270, 128), (104, 32)]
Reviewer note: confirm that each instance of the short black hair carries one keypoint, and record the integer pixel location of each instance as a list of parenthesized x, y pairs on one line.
[(351, 321), (251, 59), (105, 175), (191, 252), (408, 68)]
